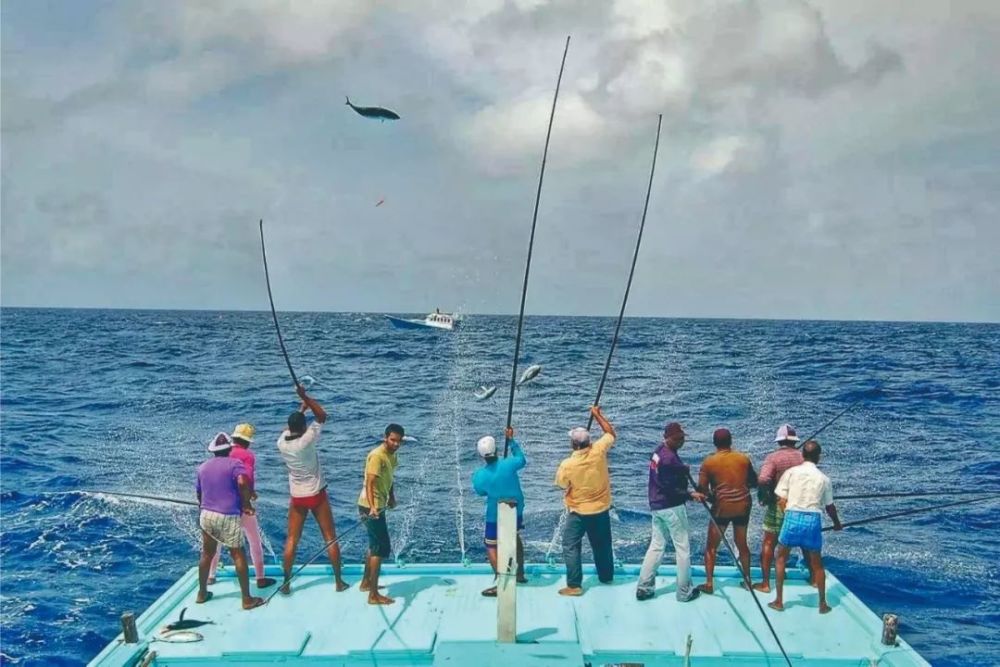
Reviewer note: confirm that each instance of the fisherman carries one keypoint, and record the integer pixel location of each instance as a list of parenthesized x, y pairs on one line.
[(307, 487), (497, 479), (803, 492), (584, 476), (223, 491), (775, 465), (378, 494), (668, 491), (727, 477), (242, 438)]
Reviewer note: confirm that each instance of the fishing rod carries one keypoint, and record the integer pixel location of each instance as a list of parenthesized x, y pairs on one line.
[(145, 497), (861, 522), (916, 494), (631, 273), (746, 575), (274, 314), (315, 556), (829, 423), (531, 244)]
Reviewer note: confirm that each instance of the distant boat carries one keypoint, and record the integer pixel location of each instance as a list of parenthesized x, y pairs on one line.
[(435, 320)]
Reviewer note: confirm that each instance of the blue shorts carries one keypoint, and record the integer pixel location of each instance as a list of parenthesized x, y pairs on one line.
[(802, 529), (491, 531)]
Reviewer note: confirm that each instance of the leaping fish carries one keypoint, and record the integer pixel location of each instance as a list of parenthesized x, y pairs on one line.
[(181, 624), (374, 112), (529, 374), (484, 392)]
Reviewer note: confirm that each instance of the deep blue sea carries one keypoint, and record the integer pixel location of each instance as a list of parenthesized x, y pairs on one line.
[(100, 400)]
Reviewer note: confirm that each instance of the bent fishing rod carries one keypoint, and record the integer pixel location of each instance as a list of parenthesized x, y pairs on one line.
[(531, 245), (919, 510), (164, 499), (274, 314), (631, 273), (746, 575)]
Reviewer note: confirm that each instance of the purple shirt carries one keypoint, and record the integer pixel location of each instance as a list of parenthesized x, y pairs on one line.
[(668, 479), (217, 484)]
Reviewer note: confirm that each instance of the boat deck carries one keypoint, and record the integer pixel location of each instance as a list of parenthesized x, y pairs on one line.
[(440, 618)]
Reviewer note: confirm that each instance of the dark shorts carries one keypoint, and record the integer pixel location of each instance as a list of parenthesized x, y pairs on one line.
[(378, 533), (490, 537), (738, 521), (310, 502)]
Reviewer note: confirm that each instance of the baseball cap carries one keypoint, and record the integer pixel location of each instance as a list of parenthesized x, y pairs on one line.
[(786, 432), (487, 446), (580, 437), (722, 437), (673, 430)]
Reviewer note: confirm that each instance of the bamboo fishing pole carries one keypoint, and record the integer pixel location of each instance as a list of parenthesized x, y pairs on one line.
[(274, 314), (141, 496), (631, 273), (531, 244), (919, 510)]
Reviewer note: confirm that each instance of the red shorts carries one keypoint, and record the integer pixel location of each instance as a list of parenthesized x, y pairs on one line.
[(309, 502)]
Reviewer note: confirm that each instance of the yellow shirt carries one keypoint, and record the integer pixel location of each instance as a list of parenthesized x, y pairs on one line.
[(584, 475), (382, 465)]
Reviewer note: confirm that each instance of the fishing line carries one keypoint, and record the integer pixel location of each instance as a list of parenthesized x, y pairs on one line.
[(919, 510), (531, 244), (746, 575), (319, 553), (145, 497), (835, 418), (631, 273), (274, 314), (942, 493)]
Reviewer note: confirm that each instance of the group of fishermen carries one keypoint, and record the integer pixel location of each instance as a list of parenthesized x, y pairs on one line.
[(790, 487)]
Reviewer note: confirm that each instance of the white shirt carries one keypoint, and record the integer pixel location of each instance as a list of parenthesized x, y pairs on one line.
[(805, 488), (305, 478)]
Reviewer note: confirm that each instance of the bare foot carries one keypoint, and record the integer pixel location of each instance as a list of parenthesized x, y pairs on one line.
[(571, 591), (264, 582), (203, 597), (707, 589), (825, 609), (286, 588), (342, 585), (364, 587), (763, 587), (379, 599), (777, 606), (253, 603)]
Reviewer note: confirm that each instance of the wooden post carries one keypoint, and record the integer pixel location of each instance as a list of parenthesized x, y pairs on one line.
[(507, 570), (128, 628)]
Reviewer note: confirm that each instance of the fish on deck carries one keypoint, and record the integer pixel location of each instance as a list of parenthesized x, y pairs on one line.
[(374, 112)]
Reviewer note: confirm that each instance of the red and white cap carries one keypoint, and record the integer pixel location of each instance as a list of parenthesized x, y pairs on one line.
[(786, 432)]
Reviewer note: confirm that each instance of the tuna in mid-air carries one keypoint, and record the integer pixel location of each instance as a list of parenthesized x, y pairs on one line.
[(484, 392), (374, 112), (529, 374)]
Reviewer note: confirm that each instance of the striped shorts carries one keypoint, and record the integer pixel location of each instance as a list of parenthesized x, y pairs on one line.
[(226, 529)]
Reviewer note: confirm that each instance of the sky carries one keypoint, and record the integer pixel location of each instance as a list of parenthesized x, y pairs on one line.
[(832, 159)]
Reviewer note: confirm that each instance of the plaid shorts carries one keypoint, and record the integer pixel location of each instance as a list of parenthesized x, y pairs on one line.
[(773, 518), (802, 529), (226, 529)]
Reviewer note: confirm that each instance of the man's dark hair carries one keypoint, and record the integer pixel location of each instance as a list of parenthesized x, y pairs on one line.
[(394, 428), (811, 451), (296, 422)]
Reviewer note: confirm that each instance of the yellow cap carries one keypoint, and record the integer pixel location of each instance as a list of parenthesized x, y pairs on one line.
[(244, 432)]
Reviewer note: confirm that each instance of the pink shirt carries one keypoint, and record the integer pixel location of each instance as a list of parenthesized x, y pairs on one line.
[(776, 463), (246, 457)]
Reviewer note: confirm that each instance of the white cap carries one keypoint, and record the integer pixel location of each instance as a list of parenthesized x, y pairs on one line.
[(786, 432), (580, 436), (487, 446)]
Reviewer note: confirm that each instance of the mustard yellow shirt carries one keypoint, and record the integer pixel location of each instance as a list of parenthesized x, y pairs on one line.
[(584, 475), (382, 465)]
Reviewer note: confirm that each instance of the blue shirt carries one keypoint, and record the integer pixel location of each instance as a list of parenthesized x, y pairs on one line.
[(499, 480)]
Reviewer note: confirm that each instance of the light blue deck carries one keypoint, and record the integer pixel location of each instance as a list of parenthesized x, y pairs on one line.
[(440, 618)]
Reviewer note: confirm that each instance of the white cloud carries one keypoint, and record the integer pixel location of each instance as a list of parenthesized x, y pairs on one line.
[(729, 154)]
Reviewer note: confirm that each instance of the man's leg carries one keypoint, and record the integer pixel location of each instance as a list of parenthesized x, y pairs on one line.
[(572, 539), (779, 602), (680, 535), (599, 536), (819, 578), (324, 517), (208, 549), (243, 576), (766, 556), (296, 519), (743, 549), (654, 554), (214, 566), (711, 549), (379, 547), (252, 530)]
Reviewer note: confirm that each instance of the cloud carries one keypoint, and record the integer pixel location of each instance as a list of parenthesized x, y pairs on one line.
[(729, 154)]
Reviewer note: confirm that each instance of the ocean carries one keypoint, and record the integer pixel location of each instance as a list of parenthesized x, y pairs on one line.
[(126, 401)]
